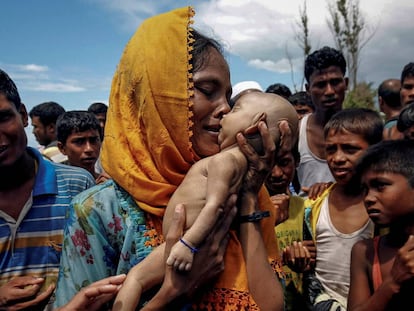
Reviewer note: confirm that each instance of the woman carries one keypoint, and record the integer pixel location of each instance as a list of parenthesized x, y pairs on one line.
[(169, 93)]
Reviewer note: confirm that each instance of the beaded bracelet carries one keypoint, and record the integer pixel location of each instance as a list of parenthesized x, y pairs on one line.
[(192, 249)]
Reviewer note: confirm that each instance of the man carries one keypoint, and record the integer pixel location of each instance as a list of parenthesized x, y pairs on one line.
[(390, 104), (326, 84), (34, 196), (44, 118), (407, 84)]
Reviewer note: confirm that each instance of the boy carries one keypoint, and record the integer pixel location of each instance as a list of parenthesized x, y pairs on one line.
[(302, 103), (382, 267), (337, 218), (78, 134), (210, 181)]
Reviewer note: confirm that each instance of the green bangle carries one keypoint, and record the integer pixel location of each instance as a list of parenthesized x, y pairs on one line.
[(254, 217)]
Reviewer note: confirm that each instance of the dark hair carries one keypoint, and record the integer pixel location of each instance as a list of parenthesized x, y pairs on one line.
[(406, 118), (322, 59), (279, 89), (389, 156), (75, 121), (98, 108), (47, 112), (301, 98), (9, 89), (201, 47), (360, 121), (408, 71), (389, 91)]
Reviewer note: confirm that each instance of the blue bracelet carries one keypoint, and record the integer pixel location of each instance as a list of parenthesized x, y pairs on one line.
[(192, 249)]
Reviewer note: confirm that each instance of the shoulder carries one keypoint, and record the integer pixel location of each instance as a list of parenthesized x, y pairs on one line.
[(72, 172)]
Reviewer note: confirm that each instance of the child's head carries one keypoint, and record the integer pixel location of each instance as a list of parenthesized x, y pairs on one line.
[(347, 135), (407, 84), (78, 134), (386, 171), (405, 123), (251, 108), (302, 103)]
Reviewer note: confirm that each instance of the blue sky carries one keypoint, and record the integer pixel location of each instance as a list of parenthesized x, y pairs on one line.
[(67, 51)]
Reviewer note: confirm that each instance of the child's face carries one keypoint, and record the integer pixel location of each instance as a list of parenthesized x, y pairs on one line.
[(82, 149), (282, 174), (343, 149), (238, 119), (302, 110), (388, 196)]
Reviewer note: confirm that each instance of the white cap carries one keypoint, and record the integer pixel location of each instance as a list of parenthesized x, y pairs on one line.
[(245, 85)]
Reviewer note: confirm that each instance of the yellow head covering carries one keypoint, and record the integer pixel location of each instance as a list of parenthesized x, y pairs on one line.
[(147, 146)]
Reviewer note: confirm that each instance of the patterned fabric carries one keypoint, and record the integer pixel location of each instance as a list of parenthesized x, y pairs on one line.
[(147, 152), (32, 244)]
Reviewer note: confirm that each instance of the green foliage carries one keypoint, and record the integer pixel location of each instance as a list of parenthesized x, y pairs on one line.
[(362, 96)]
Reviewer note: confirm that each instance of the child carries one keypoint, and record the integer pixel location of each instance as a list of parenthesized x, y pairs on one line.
[(302, 103), (382, 268), (78, 135), (405, 122), (337, 218), (210, 181)]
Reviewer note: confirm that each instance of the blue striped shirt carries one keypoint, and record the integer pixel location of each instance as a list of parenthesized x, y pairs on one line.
[(31, 245)]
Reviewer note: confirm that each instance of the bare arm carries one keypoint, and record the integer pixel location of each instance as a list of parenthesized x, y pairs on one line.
[(259, 272), (360, 297)]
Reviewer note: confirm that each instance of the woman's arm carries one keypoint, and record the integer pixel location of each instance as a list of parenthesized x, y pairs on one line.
[(259, 272)]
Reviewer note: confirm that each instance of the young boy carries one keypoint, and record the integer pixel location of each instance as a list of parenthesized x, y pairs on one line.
[(78, 134), (382, 268), (302, 103), (337, 218), (210, 181)]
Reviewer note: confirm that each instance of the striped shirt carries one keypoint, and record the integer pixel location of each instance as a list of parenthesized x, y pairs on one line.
[(31, 245)]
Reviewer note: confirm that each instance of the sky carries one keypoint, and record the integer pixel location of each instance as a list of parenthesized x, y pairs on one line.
[(67, 51)]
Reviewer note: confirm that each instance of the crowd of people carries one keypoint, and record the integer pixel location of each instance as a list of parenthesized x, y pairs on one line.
[(188, 193)]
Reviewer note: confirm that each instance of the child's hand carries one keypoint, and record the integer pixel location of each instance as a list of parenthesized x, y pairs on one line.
[(281, 205), (181, 257), (316, 189), (297, 257), (403, 266)]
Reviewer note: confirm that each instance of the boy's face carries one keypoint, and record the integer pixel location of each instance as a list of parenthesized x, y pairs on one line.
[(327, 89), (343, 149), (82, 149), (302, 110), (388, 196), (281, 175), (407, 91), (13, 139)]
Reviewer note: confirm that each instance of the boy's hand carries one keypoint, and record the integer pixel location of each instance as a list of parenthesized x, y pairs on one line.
[(281, 205)]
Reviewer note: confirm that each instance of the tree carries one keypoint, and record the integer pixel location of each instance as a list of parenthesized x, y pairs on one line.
[(362, 96), (350, 32), (302, 35)]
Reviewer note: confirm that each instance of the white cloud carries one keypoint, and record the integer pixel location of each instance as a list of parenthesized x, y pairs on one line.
[(32, 68), (54, 87)]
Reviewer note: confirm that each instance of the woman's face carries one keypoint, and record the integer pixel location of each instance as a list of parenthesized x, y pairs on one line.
[(212, 91)]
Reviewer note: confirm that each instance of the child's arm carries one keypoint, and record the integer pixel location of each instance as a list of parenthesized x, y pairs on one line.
[(224, 170), (360, 297), (140, 278)]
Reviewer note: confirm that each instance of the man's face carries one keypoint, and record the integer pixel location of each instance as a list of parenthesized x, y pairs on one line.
[(13, 139), (327, 89), (82, 149), (41, 131), (407, 91)]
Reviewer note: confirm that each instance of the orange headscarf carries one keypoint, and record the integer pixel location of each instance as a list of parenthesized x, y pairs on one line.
[(147, 148)]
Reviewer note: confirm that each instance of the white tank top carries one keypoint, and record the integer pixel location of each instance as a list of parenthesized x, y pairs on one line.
[(311, 169), (333, 249)]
